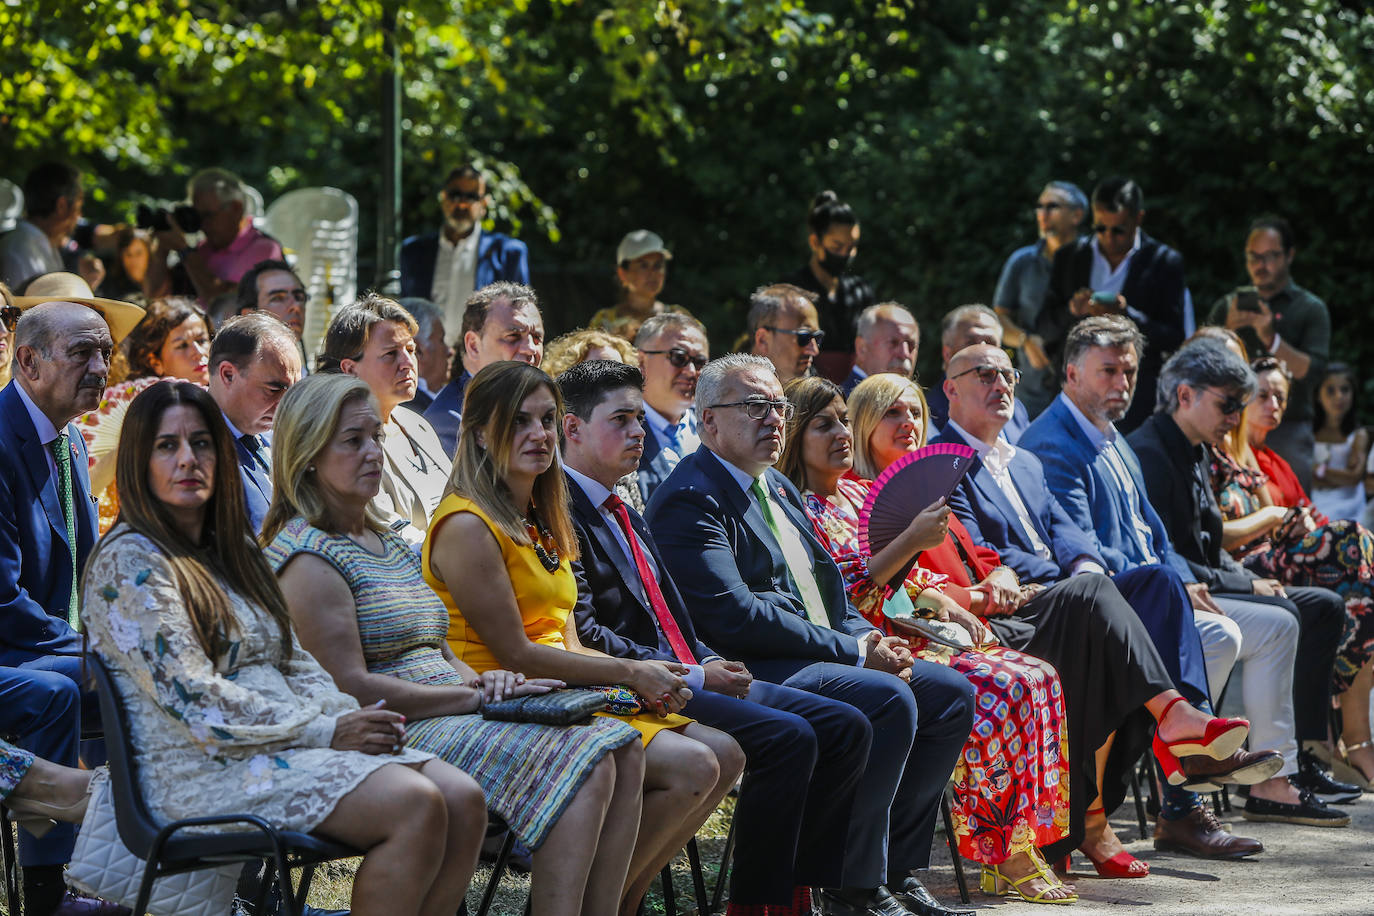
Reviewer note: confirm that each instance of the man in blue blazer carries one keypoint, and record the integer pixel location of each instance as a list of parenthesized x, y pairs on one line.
[(449, 265), (672, 352), (735, 538), (805, 751), (62, 353)]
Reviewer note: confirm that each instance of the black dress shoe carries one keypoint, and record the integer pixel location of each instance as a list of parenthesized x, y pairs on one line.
[(1310, 810), (1316, 778), (861, 902), (913, 894)]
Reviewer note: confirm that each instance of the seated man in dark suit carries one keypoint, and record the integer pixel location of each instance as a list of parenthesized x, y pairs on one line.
[(963, 327), (1118, 270), (254, 358), (886, 339), (735, 538), (448, 266), (1202, 390), (62, 350), (805, 751), (501, 321)]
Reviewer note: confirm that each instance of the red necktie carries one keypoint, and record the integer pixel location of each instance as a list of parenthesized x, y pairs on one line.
[(646, 578)]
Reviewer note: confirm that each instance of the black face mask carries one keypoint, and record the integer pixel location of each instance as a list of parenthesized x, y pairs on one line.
[(837, 265)]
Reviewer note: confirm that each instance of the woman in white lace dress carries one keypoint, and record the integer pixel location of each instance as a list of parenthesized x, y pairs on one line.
[(227, 712)]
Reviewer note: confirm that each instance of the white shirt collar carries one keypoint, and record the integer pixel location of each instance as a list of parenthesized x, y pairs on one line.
[(744, 480), (592, 488), (1001, 451), (41, 424), (464, 246), (233, 430)]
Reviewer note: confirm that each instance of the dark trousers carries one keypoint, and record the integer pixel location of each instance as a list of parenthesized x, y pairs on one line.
[(912, 756), (42, 710), (1321, 622), (806, 754), (1157, 596)]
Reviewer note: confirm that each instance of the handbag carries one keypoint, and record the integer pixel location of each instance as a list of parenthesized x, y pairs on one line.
[(103, 866), (620, 700), (557, 707)]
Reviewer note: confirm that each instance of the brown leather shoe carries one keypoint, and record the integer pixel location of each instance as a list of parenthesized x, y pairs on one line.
[(1243, 768), (1200, 834)]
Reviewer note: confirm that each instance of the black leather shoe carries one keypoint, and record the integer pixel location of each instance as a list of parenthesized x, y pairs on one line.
[(859, 902), (1311, 811), (1313, 776), (914, 896)]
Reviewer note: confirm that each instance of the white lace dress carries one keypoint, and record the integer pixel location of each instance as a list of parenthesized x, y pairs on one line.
[(246, 732)]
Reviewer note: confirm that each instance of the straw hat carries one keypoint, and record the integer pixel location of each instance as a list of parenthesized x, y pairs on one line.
[(68, 287)]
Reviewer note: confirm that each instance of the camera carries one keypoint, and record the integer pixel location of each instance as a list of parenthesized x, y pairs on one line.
[(187, 218)]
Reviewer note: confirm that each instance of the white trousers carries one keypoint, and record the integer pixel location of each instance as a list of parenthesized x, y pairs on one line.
[(1268, 647)]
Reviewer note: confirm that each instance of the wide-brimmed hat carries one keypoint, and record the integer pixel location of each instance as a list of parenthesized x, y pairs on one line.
[(62, 286)]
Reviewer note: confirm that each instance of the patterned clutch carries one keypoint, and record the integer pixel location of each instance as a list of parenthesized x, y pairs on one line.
[(557, 707), (620, 701)]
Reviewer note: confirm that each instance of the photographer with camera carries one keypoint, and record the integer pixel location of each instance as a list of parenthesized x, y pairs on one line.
[(231, 246), (1279, 317)]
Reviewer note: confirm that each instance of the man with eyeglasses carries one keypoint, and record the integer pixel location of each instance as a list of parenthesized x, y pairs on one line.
[(1203, 389), (448, 266), (962, 327), (1287, 321), (785, 328), (1021, 289), (672, 352), (886, 339), (760, 588), (230, 247), (1118, 270)]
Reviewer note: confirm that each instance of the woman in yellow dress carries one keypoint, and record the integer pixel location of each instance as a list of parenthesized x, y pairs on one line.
[(499, 553)]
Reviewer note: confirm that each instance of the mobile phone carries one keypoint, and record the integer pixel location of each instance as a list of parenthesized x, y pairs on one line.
[(1104, 297), (1247, 299)]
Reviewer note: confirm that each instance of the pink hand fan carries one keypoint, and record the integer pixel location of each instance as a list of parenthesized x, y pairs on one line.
[(908, 486)]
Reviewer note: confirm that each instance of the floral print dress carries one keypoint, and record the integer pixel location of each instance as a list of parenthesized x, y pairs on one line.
[(1011, 783), (247, 731)]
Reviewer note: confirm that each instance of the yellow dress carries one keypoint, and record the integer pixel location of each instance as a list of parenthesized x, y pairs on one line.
[(545, 600)]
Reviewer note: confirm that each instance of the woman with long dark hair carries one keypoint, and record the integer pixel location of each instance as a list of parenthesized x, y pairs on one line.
[(833, 241)]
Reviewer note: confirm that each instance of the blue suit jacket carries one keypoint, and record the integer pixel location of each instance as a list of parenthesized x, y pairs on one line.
[(257, 486), (1082, 481), (654, 466), (719, 550), (35, 574), (445, 412), (992, 522), (613, 612), (852, 380), (499, 257)]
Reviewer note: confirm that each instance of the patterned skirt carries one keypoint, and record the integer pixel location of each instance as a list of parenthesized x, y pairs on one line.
[(1340, 556), (14, 763)]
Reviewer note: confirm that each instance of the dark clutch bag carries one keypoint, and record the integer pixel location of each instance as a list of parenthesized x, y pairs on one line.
[(557, 707)]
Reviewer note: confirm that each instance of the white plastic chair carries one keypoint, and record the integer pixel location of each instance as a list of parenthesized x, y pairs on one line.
[(318, 228), (11, 204)]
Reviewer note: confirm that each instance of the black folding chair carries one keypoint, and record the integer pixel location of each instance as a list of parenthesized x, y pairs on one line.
[(167, 850)]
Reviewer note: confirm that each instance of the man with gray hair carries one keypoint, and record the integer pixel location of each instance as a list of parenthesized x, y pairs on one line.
[(886, 340), (735, 537), (231, 244), (1203, 389), (432, 354), (966, 326), (784, 327), (672, 352), (1021, 288)]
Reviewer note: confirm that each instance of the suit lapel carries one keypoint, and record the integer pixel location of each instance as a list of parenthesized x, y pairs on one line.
[(1026, 485), (36, 462), (744, 505), (600, 530)]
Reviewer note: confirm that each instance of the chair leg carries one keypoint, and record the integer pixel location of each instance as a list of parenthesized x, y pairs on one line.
[(723, 873), (698, 879), (1216, 803), (10, 862), (669, 898), (1139, 802), (953, 846), (497, 870)]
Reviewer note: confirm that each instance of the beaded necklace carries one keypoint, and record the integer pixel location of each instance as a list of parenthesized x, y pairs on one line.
[(548, 557)]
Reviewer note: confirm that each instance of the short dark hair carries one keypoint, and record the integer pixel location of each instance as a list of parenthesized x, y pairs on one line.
[(162, 317), (828, 210), (1116, 194), (240, 338), (1102, 331), (767, 301), (1277, 224), (590, 382), (479, 305), (47, 184), (1348, 422), (467, 169), (248, 283)]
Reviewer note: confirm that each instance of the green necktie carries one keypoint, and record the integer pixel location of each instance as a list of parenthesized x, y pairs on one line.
[(62, 455), (796, 557)]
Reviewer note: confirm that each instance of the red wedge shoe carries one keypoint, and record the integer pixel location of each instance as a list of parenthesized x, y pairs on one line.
[(1121, 865), (1221, 739)]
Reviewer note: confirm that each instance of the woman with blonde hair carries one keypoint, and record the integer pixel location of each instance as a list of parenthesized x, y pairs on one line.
[(500, 552), (583, 344), (361, 606)]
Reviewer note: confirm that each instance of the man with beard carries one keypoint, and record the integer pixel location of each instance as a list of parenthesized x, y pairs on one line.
[(448, 266), (62, 353), (886, 340)]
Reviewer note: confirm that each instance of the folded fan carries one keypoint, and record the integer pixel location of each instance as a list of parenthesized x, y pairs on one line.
[(908, 486)]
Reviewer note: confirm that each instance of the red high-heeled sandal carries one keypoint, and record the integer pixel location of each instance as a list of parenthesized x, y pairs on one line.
[(1119, 865), (1221, 739)]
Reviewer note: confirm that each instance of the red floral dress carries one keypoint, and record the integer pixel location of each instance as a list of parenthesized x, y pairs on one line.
[(1011, 784)]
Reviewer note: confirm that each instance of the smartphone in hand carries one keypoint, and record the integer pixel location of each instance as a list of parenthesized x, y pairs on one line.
[(1247, 299)]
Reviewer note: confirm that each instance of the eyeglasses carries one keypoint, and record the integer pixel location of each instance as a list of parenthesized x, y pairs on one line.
[(760, 408), (458, 194), (9, 316), (804, 335), (679, 358), (1228, 404), (1116, 231), (988, 375)]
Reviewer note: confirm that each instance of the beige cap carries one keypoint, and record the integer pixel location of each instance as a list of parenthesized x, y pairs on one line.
[(62, 286), (639, 243)]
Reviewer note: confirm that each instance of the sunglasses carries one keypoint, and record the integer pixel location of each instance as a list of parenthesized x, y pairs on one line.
[(759, 408), (1119, 232), (804, 335), (459, 194), (1228, 404), (679, 358), (988, 375), (9, 316)]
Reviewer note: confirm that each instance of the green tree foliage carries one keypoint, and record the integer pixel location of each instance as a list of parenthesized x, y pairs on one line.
[(715, 121)]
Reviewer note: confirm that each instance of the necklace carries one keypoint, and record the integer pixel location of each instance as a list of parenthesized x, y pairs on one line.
[(548, 557)]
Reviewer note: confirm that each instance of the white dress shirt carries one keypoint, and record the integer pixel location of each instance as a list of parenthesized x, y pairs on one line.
[(455, 278)]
